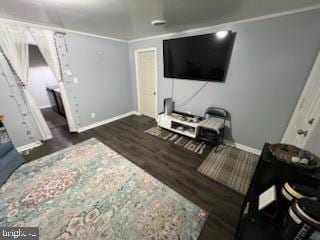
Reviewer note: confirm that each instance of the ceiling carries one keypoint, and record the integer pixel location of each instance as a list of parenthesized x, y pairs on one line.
[(130, 19)]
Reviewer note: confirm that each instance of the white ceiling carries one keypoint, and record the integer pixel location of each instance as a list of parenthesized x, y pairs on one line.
[(130, 19)]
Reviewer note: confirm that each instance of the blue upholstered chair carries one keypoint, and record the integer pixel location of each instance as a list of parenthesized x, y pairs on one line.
[(10, 159)]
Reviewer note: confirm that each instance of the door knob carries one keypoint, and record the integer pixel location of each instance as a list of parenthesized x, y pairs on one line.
[(302, 132)]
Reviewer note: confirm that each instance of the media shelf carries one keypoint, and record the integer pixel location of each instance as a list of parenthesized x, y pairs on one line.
[(253, 223), (181, 127), (260, 227), (180, 123)]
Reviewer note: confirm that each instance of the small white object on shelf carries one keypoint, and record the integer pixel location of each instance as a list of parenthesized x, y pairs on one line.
[(267, 197), (295, 159), (186, 126), (174, 123)]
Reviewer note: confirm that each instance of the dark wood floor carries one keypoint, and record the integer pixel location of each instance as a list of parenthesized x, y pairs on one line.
[(172, 165), (53, 118)]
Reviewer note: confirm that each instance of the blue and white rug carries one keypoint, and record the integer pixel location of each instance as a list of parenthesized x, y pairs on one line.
[(88, 191)]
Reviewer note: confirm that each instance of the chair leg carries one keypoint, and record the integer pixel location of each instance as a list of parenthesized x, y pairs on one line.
[(216, 150), (220, 141)]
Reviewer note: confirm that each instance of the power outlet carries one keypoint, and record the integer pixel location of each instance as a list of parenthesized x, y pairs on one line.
[(228, 124), (93, 115)]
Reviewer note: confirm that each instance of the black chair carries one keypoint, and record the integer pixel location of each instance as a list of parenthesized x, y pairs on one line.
[(210, 135)]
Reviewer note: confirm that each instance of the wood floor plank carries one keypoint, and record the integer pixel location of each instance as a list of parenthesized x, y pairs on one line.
[(171, 164)]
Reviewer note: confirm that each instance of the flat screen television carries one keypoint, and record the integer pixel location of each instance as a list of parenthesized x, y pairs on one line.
[(203, 57)]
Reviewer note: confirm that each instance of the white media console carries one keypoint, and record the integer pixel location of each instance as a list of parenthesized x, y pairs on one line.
[(186, 125)]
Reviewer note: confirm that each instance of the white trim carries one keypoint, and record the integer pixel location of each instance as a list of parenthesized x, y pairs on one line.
[(154, 37), (46, 106), (97, 124), (136, 113), (156, 77), (227, 24), (58, 29), (243, 147), (29, 146)]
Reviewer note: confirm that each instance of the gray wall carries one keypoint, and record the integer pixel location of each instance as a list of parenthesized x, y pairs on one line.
[(18, 123), (102, 69), (270, 63)]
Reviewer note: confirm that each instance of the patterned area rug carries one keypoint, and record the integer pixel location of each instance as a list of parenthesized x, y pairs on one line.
[(88, 192), (190, 144), (230, 166)]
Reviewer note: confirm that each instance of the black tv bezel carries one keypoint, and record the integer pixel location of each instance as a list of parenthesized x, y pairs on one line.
[(233, 37)]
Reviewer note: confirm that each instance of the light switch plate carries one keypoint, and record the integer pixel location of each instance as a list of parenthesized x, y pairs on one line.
[(93, 115), (68, 72), (228, 124), (75, 80)]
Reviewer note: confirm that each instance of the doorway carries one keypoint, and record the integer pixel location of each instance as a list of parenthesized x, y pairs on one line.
[(43, 86), (146, 75)]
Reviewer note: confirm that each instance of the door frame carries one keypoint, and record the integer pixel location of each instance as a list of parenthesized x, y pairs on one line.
[(136, 52)]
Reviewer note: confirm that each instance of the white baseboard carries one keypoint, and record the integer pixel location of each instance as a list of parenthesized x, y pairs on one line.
[(243, 147), (29, 146), (46, 106), (97, 124)]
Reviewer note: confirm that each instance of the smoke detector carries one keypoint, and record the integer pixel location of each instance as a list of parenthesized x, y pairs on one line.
[(159, 22)]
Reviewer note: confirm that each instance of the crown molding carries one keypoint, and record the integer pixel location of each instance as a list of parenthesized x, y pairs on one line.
[(57, 29), (223, 25)]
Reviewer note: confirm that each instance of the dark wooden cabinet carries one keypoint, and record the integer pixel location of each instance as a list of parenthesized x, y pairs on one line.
[(253, 224), (55, 97)]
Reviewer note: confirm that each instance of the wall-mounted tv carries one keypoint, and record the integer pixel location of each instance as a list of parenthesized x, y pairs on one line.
[(203, 57)]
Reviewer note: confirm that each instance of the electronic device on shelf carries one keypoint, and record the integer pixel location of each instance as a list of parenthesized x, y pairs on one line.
[(182, 123), (168, 105), (209, 128)]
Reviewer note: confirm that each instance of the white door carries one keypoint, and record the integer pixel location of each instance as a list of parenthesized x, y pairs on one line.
[(146, 81), (313, 145), (306, 116)]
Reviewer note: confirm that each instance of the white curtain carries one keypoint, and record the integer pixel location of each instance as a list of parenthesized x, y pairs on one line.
[(14, 44), (46, 43)]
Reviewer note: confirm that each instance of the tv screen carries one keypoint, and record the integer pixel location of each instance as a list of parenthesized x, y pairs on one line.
[(203, 57)]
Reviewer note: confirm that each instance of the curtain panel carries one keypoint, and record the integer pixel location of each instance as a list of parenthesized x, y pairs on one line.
[(14, 44), (46, 42)]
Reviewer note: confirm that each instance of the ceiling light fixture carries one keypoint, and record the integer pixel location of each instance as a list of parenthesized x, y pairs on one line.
[(159, 22), (222, 34)]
